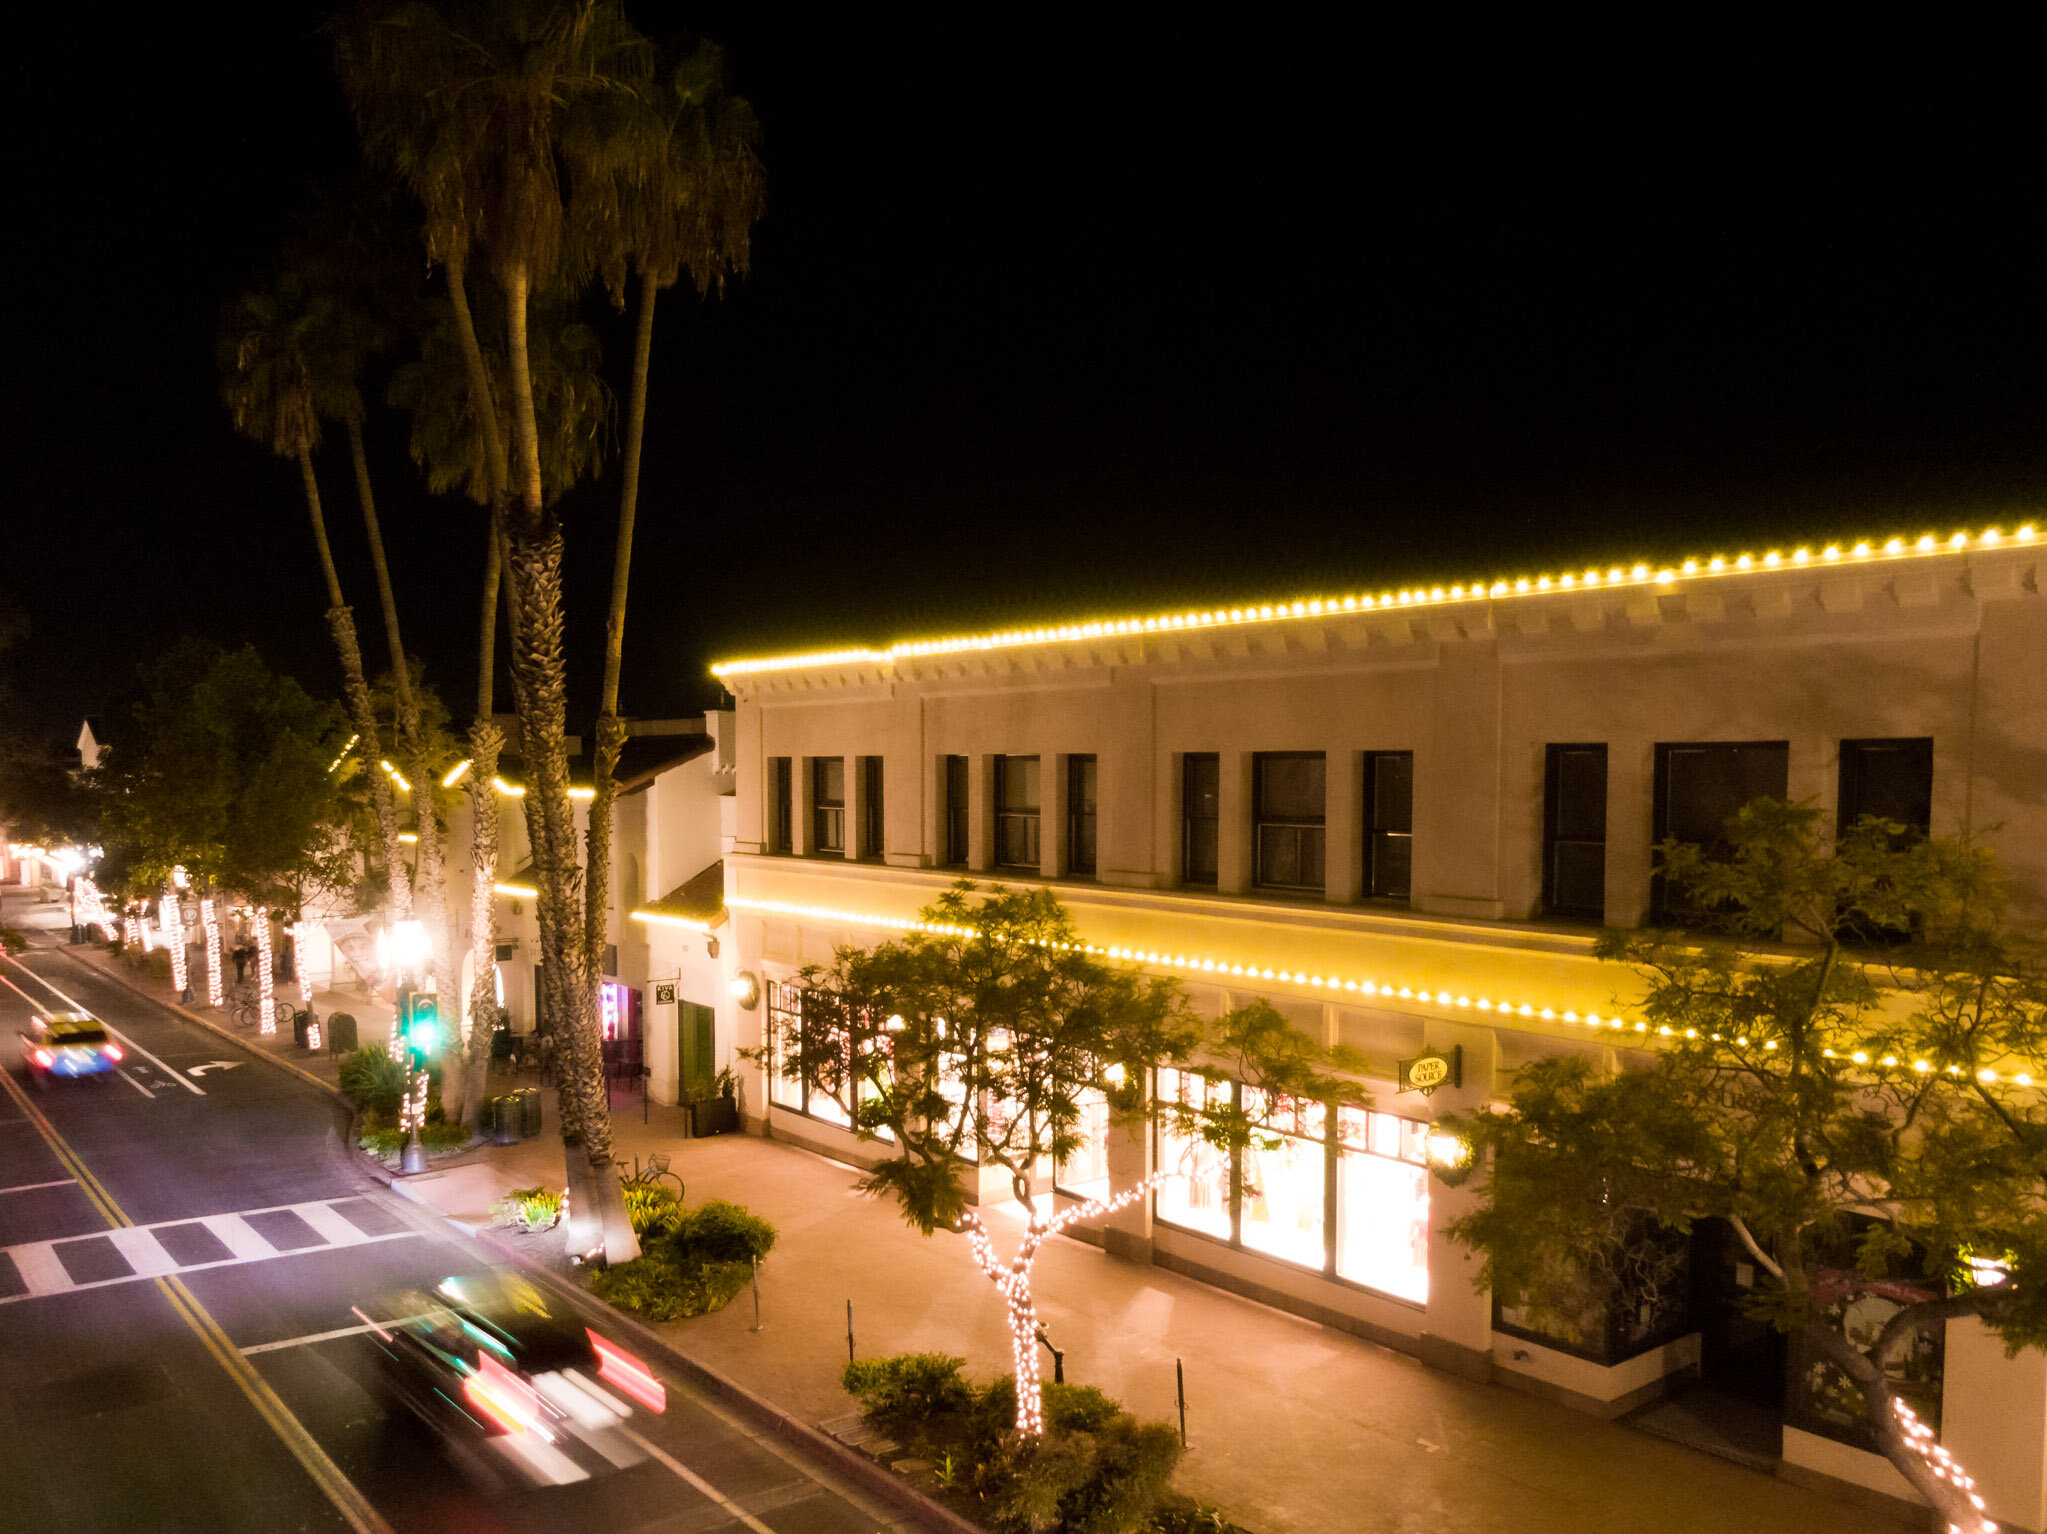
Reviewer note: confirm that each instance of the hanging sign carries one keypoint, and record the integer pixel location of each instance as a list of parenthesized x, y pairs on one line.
[(664, 993), (1431, 1069)]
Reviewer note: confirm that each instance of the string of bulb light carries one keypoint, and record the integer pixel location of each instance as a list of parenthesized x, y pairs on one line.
[(1865, 552)]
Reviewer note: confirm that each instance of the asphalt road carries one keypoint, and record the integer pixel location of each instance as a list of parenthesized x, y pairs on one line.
[(208, 1398)]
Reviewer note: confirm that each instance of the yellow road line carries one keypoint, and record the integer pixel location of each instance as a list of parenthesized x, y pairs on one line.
[(338, 1489)]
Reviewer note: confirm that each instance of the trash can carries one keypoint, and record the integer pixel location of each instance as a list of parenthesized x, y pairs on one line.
[(529, 1112), (301, 1022), (341, 1032), (501, 1118)]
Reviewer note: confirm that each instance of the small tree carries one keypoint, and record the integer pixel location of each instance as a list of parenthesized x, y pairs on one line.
[(980, 1036), (1843, 1072)]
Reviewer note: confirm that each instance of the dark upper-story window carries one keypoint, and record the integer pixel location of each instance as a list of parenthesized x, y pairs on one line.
[(1389, 824), (1892, 779), (1289, 801), (1200, 812), (1574, 832), (1016, 811), (781, 804), (1698, 786), (870, 807), (828, 804), (958, 810), (1080, 814)]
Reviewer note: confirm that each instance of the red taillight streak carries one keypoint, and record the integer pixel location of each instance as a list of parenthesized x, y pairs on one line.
[(45, 1059), (111, 1051), (503, 1397), (619, 1367)]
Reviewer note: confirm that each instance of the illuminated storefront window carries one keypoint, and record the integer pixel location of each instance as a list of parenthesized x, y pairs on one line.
[(1199, 1196), (1347, 1196), (785, 1031), (1286, 1175), (1085, 1174), (1382, 1203)]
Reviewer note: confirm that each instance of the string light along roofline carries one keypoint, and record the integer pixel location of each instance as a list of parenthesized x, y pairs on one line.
[(1447, 997), (1638, 574)]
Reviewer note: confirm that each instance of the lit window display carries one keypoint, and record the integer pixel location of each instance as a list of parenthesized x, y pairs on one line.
[(1382, 1203), (1195, 1192), (785, 1018), (1286, 1175), (1085, 1174)]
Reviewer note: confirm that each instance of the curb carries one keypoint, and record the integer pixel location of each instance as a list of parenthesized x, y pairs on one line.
[(255, 1050), (876, 1481)]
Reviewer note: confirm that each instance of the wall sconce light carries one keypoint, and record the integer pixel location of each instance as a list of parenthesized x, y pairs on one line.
[(746, 989), (711, 946)]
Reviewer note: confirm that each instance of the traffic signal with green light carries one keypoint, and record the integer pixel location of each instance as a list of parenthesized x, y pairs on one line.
[(422, 1027)]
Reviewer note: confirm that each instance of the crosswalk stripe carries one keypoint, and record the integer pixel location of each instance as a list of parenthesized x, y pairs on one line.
[(237, 1236), (43, 1272), (145, 1254)]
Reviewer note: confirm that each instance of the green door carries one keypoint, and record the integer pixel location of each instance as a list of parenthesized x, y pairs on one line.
[(698, 1027)]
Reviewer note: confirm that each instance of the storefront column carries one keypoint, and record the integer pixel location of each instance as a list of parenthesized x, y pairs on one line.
[(1127, 1232), (1993, 1420), (1457, 1335), (980, 812), (1233, 823)]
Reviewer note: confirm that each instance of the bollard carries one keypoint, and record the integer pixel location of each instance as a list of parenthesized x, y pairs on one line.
[(849, 1331), (1180, 1388), (756, 1263)]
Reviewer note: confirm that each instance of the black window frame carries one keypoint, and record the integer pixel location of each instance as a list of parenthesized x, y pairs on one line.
[(782, 809), (1856, 757), (1083, 781), (1383, 838), (1024, 823), (827, 816), (957, 826), (1578, 845), (871, 822), (1200, 832), (1302, 832), (1663, 907)]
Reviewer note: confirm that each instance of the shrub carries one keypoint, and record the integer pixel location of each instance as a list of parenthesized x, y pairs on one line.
[(716, 1231), (534, 1208), (373, 1081), (653, 1209), (1096, 1470), (439, 1136), (664, 1287), (908, 1388), (384, 1141)]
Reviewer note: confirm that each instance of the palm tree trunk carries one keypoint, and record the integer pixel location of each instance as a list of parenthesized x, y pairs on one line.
[(610, 730), (341, 624), (540, 681), (485, 742), (430, 890)]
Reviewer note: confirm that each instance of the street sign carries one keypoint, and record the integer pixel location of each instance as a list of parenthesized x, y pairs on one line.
[(1431, 1069), (664, 993)]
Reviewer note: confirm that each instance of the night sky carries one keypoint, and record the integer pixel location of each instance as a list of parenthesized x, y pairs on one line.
[(1060, 311)]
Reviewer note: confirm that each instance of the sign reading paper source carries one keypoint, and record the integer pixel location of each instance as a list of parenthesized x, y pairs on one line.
[(1431, 1069), (664, 993)]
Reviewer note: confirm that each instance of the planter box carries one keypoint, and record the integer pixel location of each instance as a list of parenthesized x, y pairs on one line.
[(717, 1116)]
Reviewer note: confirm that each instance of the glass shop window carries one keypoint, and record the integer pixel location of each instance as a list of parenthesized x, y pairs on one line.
[(1085, 1173), (1286, 1174), (1288, 791), (1196, 1192), (1382, 1203)]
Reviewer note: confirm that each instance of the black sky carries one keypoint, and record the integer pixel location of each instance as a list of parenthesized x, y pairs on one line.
[(1070, 310)]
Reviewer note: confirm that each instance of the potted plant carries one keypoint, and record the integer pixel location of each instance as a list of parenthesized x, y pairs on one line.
[(713, 1107)]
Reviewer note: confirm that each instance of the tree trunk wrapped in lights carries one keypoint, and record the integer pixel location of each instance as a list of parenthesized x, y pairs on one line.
[(301, 934), (984, 1036), (266, 990), (215, 992), (486, 740)]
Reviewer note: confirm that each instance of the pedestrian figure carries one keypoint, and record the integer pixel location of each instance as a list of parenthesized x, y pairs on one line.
[(241, 958)]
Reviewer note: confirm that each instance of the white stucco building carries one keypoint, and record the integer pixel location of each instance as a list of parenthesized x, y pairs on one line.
[(1400, 816)]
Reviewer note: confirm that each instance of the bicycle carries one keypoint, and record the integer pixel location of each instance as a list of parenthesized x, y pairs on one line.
[(245, 1008), (651, 1174)]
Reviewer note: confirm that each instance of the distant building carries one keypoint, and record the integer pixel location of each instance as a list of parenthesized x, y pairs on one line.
[(1400, 816)]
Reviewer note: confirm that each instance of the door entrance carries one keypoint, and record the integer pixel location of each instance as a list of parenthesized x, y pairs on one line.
[(698, 1028)]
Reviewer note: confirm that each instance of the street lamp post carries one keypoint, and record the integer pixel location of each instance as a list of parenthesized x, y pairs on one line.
[(418, 1025)]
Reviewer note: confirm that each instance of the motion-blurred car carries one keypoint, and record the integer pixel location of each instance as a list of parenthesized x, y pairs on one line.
[(518, 1390), (70, 1044)]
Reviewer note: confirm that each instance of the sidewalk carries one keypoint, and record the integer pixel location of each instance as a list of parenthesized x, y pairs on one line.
[(1295, 1429)]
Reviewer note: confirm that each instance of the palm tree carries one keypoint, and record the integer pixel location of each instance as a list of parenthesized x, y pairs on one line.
[(466, 101), (672, 184), (276, 397), (452, 440), (349, 256)]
